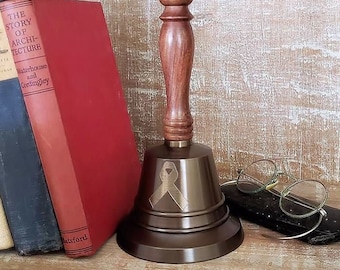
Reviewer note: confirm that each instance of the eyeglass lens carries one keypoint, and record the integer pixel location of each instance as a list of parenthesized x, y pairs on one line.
[(303, 198), (256, 176)]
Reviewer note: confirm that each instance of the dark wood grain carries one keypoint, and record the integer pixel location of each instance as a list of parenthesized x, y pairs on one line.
[(176, 44)]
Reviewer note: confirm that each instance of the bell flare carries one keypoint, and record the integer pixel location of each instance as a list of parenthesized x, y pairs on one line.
[(180, 214)]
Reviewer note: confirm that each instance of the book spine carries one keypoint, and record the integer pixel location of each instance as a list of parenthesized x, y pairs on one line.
[(40, 98), (23, 188), (6, 240)]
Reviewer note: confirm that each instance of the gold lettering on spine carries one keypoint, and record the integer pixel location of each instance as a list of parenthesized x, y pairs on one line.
[(27, 48)]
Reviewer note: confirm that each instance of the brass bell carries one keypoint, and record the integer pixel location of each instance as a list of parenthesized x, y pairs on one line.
[(180, 214)]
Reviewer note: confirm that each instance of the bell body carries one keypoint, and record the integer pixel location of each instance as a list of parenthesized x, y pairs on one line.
[(180, 215)]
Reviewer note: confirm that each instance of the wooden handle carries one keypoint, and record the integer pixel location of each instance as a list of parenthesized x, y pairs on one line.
[(176, 51)]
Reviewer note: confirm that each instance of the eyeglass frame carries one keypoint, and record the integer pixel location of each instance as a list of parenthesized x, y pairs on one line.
[(273, 181)]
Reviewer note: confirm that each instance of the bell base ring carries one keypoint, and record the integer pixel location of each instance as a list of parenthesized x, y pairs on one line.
[(177, 248)]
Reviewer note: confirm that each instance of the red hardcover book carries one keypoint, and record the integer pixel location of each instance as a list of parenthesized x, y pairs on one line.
[(79, 117)]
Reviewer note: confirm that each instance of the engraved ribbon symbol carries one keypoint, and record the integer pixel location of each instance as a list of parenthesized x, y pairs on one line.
[(168, 175)]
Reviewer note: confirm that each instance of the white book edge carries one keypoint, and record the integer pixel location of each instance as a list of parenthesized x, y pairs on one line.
[(6, 240)]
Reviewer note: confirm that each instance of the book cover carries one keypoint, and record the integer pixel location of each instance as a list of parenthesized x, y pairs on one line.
[(76, 104), (23, 188)]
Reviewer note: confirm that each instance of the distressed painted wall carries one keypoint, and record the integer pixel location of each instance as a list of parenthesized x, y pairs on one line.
[(265, 82)]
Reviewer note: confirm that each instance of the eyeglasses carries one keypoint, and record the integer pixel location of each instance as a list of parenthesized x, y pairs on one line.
[(300, 199)]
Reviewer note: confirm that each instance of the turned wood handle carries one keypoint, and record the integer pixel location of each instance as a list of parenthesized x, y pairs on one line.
[(176, 45)]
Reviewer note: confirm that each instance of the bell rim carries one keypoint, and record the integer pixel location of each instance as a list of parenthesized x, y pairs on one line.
[(189, 247)]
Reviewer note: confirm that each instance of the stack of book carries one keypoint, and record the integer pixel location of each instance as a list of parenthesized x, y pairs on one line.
[(69, 167)]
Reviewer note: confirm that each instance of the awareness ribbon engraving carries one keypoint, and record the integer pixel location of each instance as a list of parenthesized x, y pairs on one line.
[(168, 175)]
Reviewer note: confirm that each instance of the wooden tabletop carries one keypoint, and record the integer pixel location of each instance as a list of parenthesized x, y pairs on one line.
[(256, 252)]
